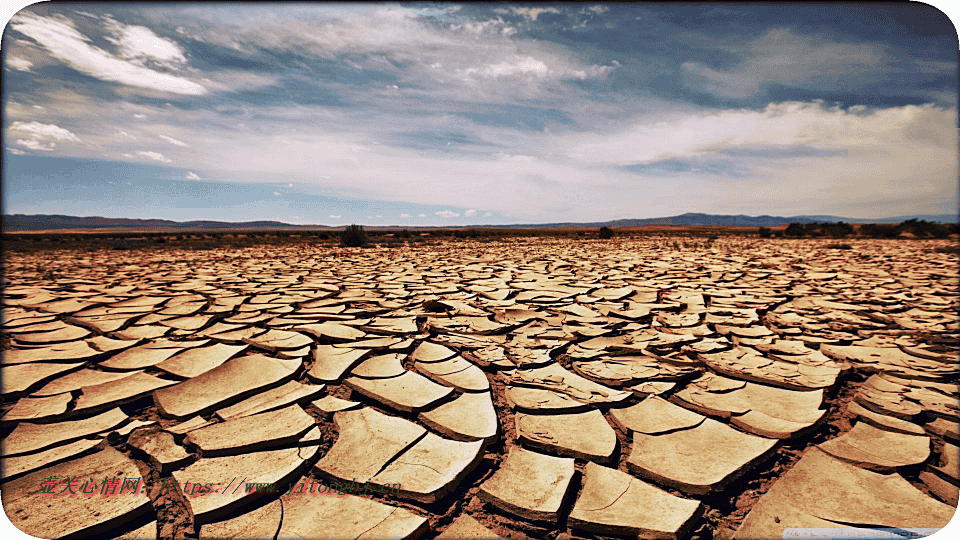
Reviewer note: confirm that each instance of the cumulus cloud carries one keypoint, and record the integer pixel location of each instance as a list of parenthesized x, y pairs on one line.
[(335, 217), (192, 176), (34, 144), (43, 137), (470, 213), (276, 193), (404, 215), (533, 13), (598, 10), (446, 214), (16, 151), (422, 215), (156, 156), (139, 43), (46, 131), (173, 141), (139, 116), (59, 37), (532, 68), (20, 64), (516, 66), (487, 214)]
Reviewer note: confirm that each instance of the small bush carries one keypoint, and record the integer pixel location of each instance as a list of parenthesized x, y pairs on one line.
[(794, 229), (839, 246), (605, 233), (765, 232), (879, 230), (353, 236)]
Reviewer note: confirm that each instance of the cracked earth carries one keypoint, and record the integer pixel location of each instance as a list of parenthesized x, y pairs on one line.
[(548, 388)]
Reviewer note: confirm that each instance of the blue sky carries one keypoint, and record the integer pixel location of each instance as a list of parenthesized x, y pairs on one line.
[(448, 114)]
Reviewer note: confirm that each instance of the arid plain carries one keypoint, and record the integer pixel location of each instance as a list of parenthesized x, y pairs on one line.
[(542, 387)]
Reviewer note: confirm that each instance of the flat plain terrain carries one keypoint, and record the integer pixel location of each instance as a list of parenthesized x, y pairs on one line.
[(526, 387)]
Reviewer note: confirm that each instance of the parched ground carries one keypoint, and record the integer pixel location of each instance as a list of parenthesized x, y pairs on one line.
[(525, 388)]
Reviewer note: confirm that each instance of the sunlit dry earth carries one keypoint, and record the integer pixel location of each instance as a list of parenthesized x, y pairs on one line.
[(524, 388)]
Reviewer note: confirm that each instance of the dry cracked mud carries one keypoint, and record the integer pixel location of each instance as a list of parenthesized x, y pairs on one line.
[(548, 388)]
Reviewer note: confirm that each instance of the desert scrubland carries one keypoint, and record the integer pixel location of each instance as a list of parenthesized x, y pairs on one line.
[(542, 387)]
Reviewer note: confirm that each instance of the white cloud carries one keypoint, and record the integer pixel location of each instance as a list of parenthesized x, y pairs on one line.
[(547, 185), (533, 13), (16, 151), (289, 185), (517, 66), (470, 213), (20, 64), (335, 217), (139, 43), (34, 144), (45, 131), (446, 214), (139, 116), (422, 215), (778, 125), (379, 216), (276, 193), (192, 176), (459, 50), (63, 41), (173, 141), (783, 57), (404, 215), (487, 214), (500, 156), (43, 137), (156, 156)]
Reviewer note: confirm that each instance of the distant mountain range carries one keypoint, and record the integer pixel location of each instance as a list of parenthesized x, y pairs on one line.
[(22, 223)]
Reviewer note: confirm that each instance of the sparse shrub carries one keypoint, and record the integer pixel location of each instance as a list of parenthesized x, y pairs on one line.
[(605, 233), (794, 229), (353, 236), (923, 228), (403, 234), (839, 246), (877, 230), (765, 232), (835, 230)]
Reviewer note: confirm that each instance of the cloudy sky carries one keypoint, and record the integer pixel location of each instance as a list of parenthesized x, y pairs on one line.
[(478, 113)]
